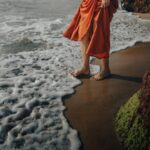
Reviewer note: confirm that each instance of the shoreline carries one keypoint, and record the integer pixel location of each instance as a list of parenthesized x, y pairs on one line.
[(145, 16), (85, 106)]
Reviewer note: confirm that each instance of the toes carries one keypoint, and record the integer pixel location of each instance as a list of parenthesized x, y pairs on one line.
[(80, 72), (95, 78), (73, 74)]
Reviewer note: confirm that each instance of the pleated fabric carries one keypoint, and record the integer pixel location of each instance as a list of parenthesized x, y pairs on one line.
[(90, 13)]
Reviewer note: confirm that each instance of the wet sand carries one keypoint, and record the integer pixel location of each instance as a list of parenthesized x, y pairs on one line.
[(145, 15), (92, 109)]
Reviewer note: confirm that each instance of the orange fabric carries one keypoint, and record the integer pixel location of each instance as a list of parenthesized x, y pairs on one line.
[(90, 13)]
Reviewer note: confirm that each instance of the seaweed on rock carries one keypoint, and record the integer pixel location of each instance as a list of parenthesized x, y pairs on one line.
[(132, 120)]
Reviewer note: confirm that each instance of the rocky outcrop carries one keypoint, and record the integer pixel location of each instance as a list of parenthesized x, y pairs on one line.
[(132, 122), (142, 6), (144, 97)]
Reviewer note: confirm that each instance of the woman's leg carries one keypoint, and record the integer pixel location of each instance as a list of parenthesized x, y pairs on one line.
[(104, 64), (85, 68), (84, 45), (104, 71)]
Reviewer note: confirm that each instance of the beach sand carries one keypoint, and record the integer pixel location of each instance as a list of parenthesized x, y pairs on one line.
[(92, 109)]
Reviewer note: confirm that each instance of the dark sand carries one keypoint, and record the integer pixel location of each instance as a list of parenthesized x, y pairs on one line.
[(92, 109)]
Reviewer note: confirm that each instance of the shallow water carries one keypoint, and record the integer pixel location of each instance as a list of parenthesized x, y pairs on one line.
[(35, 61), (38, 8)]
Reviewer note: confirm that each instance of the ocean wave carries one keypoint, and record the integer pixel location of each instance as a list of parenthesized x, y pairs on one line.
[(127, 29)]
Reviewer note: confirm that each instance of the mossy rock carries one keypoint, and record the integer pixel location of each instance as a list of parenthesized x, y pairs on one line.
[(129, 126)]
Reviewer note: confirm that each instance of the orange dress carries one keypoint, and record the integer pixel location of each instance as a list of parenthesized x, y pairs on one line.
[(90, 13)]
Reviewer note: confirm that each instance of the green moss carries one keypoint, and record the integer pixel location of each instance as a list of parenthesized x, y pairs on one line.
[(131, 131)]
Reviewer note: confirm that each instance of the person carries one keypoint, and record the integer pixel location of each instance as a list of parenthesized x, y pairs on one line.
[(91, 26)]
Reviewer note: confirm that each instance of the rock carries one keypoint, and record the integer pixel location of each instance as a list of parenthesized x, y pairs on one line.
[(144, 107), (142, 6)]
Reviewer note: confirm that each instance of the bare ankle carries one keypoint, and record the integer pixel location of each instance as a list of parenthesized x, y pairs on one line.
[(85, 68), (105, 70)]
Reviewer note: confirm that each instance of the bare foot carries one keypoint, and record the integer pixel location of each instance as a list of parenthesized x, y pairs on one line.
[(80, 72), (101, 75)]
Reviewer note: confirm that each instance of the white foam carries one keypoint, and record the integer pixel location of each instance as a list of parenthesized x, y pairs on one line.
[(37, 82), (127, 29), (32, 83)]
